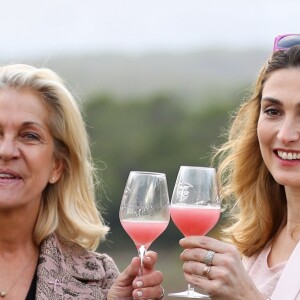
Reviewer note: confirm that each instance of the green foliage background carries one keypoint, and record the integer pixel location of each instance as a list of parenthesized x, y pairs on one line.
[(155, 134)]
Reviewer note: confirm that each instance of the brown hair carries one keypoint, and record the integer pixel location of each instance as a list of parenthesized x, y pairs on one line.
[(257, 202)]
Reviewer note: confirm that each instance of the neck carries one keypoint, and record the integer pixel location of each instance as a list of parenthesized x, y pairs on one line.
[(293, 213), (16, 231)]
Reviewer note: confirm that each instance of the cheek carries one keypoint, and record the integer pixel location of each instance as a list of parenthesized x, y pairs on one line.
[(45, 159), (264, 135), (264, 132)]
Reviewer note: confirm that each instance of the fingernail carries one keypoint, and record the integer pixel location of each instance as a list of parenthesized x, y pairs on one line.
[(139, 283), (139, 293)]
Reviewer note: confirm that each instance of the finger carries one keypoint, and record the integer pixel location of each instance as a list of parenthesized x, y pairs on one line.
[(155, 292), (199, 255), (150, 260), (193, 254), (128, 275), (201, 283), (194, 273), (152, 279), (200, 269), (207, 243), (230, 259)]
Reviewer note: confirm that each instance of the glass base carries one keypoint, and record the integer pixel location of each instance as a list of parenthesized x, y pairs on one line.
[(189, 294)]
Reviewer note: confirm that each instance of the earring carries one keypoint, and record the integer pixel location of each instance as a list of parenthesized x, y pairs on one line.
[(52, 179)]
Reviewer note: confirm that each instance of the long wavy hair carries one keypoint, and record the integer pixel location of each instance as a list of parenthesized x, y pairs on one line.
[(68, 206), (257, 203)]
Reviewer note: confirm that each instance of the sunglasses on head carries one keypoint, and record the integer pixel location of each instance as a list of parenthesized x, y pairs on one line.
[(286, 41)]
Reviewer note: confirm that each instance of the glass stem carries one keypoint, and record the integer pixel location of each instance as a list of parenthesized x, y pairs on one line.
[(141, 251), (190, 290)]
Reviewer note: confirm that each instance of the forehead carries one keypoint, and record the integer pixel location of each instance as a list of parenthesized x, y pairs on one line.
[(22, 104), (283, 84)]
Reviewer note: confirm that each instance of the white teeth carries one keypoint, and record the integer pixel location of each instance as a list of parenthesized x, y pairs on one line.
[(288, 155), (5, 175)]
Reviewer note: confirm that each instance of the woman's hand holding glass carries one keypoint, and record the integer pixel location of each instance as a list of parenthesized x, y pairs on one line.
[(130, 285), (227, 277)]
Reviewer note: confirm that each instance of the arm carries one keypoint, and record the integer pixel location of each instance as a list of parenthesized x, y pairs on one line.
[(130, 285), (226, 279)]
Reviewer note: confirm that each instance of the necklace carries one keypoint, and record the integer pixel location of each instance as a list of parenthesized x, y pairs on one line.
[(4, 293)]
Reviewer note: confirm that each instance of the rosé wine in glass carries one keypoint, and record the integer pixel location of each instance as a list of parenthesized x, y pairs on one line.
[(144, 232), (194, 220)]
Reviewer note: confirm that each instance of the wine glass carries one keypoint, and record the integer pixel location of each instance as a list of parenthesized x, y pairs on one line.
[(144, 210), (195, 207)]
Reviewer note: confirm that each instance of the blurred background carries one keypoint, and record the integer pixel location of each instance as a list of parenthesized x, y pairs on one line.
[(157, 81)]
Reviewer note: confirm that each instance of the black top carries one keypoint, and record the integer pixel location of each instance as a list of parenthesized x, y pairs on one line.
[(32, 289)]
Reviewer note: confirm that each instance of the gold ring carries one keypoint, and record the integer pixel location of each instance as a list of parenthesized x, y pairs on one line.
[(209, 257), (206, 271)]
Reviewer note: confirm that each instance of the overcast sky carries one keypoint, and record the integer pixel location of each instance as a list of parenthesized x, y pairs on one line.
[(30, 28)]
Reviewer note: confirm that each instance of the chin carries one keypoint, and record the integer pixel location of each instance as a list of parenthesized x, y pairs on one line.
[(291, 181)]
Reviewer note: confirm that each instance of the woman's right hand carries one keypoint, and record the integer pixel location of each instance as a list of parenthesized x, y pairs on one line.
[(226, 279), (129, 284)]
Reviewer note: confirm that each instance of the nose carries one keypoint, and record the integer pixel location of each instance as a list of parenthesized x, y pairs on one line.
[(289, 131), (8, 148)]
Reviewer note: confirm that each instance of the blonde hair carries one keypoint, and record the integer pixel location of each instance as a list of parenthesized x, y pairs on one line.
[(257, 202), (68, 206)]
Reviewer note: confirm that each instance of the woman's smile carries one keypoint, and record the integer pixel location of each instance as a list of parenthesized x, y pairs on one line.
[(278, 126), (288, 155), (26, 148)]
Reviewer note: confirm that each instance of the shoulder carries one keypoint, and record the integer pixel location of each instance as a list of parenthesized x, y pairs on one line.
[(78, 261), (74, 270), (104, 259)]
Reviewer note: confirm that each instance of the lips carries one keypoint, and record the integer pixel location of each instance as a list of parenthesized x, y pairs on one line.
[(288, 155), (8, 174)]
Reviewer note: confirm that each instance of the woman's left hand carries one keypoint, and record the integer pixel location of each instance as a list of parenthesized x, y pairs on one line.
[(216, 269), (129, 284)]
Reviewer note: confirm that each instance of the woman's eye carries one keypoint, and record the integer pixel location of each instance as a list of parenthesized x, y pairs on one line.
[(271, 112), (29, 136)]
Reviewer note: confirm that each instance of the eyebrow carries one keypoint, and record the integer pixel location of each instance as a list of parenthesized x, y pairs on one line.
[(272, 100), (276, 101), (32, 123)]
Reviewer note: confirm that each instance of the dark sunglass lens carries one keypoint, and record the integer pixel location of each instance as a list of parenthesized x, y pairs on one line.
[(289, 41)]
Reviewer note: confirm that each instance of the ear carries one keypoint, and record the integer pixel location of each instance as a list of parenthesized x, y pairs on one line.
[(58, 168)]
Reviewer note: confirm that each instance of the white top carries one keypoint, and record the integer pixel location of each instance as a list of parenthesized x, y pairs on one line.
[(264, 277)]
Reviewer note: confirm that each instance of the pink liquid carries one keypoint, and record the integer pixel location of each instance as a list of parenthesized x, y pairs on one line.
[(194, 220), (144, 232)]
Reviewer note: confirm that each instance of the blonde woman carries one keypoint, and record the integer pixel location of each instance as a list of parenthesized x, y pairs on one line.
[(260, 170), (49, 222)]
